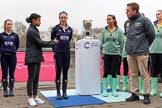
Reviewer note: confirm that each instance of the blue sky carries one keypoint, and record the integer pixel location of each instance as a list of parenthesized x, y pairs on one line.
[(79, 10)]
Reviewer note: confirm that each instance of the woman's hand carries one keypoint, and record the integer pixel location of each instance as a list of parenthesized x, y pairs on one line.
[(56, 41)]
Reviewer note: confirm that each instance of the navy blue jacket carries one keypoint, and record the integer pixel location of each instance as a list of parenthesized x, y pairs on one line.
[(64, 38), (9, 43)]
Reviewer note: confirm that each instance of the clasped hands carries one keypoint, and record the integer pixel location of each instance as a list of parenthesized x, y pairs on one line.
[(56, 41)]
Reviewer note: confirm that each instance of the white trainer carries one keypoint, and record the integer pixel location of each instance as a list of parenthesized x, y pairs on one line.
[(32, 102), (39, 101)]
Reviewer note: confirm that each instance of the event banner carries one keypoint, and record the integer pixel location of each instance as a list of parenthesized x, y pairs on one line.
[(47, 72)]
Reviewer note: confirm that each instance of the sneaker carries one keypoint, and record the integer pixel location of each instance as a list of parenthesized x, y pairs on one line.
[(31, 102), (39, 101)]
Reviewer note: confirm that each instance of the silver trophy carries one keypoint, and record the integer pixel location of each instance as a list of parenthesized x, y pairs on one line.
[(87, 26)]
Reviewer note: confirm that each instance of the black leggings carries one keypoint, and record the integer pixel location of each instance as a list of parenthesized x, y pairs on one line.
[(8, 65), (120, 61), (125, 65), (33, 78), (111, 63), (62, 62), (156, 64), (149, 64)]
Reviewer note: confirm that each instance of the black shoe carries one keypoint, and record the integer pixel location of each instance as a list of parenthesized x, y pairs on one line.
[(146, 99), (64, 87), (133, 97), (5, 84), (11, 93), (65, 95), (11, 85), (5, 93), (58, 97)]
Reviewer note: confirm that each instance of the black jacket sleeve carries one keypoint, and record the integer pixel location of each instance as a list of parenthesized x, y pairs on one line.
[(35, 39)]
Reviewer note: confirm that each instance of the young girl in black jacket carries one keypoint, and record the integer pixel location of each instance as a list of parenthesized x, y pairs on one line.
[(33, 57)]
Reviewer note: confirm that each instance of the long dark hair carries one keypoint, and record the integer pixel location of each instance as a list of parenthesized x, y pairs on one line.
[(31, 17), (113, 16), (5, 23)]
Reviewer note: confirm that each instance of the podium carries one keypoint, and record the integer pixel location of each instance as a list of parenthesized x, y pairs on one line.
[(87, 66)]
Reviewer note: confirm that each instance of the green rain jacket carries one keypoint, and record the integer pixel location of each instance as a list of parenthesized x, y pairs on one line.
[(111, 42), (156, 46), (124, 53)]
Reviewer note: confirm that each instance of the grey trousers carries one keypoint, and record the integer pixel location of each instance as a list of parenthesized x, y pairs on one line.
[(33, 78)]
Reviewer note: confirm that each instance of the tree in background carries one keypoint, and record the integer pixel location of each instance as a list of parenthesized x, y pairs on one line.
[(97, 32), (21, 29)]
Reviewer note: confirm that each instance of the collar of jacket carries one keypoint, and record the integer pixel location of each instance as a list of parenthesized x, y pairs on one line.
[(135, 17), (156, 22), (59, 26), (31, 25), (108, 26), (4, 33)]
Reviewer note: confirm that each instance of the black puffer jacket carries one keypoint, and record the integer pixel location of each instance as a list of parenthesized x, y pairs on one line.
[(34, 46)]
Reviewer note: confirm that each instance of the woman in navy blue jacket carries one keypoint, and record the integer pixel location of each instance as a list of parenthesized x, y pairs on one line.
[(62, 32), (9, 43)]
